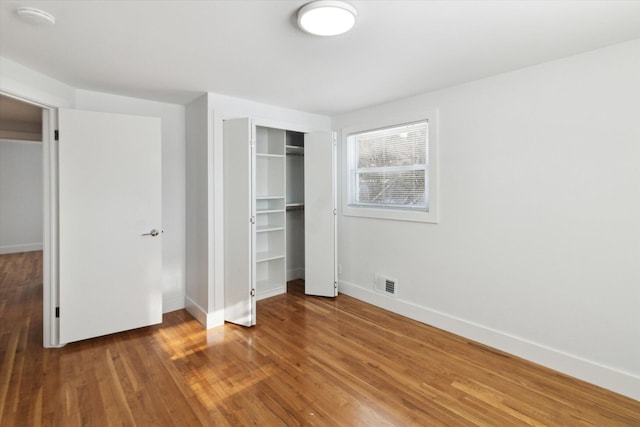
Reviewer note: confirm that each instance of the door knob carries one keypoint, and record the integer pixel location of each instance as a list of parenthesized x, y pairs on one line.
[(152, 233)]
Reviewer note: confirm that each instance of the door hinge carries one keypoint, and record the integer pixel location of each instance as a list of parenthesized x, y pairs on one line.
[(335, 138), (56, 135), (253, 292), (335, 212), (252, 220), (57, 312), (335, 285)]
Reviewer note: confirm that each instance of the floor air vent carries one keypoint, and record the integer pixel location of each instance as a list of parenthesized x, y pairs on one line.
[(386, 285)]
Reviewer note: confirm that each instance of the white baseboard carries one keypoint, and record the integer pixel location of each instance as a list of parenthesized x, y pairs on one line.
[(612, 379), (271, 293), (172, 303), (14, 249), (208, 320), (296, 273)]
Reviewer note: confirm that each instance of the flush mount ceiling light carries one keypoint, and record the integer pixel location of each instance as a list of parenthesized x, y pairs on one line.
[(327, 18), (35, 16)]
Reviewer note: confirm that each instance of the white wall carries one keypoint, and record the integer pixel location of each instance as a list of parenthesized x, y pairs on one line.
[(208, 189), (16, 79), (295, 217), (20, 196), (538, 247), (199, 277), (173, 181)]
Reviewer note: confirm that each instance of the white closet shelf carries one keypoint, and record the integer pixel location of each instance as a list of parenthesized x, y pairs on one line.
[(268, 256), (261, 198), (267, 211), (269, 155), (268, 227), (292, 205)]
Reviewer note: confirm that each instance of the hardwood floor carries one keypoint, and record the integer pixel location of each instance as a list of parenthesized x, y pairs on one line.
[(309, 361)]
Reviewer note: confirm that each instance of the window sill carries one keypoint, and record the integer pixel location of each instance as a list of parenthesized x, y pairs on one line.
[(392, 214)]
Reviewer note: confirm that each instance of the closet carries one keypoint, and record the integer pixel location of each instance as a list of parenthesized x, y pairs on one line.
[(279, 214)]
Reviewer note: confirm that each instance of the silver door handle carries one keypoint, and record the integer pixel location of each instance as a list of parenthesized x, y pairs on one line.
[(152, 233)]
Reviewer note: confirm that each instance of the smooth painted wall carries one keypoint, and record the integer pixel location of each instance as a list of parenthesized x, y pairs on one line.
[(172, 117), (20, 196), (537, 251), (16, 79), (198, 152)]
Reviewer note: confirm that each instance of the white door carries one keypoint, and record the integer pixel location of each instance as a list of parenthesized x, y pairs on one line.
[(109, 203), (239, 222), (320, 214)]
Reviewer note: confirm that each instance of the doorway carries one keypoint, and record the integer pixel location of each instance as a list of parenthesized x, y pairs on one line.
[(20, 176), (26, 120), (21, 209)]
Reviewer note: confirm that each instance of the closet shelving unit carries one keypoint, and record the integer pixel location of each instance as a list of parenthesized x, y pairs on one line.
[(270, 209), (267, 219), (294, 150)]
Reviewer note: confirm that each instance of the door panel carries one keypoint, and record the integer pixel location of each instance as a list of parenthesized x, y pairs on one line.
[(319, 214), (109, 195), (239, 208)]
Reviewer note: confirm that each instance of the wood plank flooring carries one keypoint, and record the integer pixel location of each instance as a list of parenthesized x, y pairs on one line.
[(309, 361)]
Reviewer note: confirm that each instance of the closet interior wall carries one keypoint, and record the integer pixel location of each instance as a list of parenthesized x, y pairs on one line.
[(295, 257)]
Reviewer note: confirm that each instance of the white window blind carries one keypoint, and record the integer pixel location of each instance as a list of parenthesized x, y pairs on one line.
[(389, 167)]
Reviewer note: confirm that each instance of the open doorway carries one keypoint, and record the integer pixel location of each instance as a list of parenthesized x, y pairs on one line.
[(21, 215), (24, 122), (21, 177)]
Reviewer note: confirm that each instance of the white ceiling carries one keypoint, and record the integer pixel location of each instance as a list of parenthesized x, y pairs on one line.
[(175, 50)]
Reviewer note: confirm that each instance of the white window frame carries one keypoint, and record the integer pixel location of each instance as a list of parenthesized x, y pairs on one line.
[(430, 214)]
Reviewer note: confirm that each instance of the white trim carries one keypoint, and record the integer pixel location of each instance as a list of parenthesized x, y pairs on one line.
[(418, 215), (14, 249), (215, 319), (50, 284), (610, 378), (173, 303), (216, 214), (195, 310), (208, 320), (271, 293)]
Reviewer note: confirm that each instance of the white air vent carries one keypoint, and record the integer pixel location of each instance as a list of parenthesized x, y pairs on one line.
[(386, 285)]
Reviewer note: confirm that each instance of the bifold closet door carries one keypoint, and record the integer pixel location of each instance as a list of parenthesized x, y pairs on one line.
[(239, 227), (320, 214)]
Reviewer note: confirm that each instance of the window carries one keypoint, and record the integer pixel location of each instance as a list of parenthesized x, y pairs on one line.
[(390, 172)]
